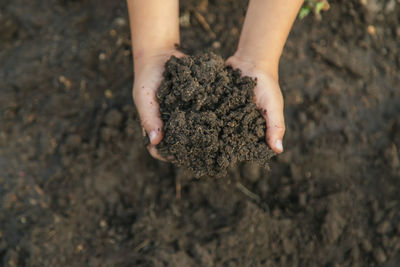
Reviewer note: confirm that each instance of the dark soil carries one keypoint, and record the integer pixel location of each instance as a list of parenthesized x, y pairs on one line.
[(211, 122), (77, 187)]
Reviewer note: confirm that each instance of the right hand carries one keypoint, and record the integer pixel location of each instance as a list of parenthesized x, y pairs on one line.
[(267, 96), (148, 76)]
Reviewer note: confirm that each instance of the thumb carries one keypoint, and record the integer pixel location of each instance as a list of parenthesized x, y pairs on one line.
[(271, 105), (275, 130), (149, 113)]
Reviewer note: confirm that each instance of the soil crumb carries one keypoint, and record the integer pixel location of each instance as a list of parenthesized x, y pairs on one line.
[(210, 120)]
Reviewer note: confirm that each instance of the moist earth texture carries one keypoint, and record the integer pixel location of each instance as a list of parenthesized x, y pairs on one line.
[(78, 188), (210, 120)]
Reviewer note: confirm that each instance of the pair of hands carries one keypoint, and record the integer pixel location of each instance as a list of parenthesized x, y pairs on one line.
[(267, 96)]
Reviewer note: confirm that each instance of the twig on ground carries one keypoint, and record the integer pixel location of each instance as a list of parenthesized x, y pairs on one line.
[(247, 192), (203, 22)]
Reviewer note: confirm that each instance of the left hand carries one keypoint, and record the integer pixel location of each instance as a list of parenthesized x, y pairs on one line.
[(148, 76), (268, 98)]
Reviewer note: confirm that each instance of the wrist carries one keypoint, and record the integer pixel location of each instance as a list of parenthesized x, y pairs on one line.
[(153, 57), (253, 61), (143, 55)]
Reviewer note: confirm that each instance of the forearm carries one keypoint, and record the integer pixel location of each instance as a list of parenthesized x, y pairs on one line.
[(265, 30), (154, 26)]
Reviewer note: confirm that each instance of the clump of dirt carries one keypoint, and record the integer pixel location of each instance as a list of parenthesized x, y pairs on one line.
[(210, 120)]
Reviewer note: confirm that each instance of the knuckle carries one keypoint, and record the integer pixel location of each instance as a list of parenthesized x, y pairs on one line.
[(278, 128), (281, 101), (281, 128), (136, 95), (145, 119)]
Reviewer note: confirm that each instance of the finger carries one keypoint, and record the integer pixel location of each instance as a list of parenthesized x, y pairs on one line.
[(149, 113), (246, 67), (154, 153), (271, 105), (232, 61)]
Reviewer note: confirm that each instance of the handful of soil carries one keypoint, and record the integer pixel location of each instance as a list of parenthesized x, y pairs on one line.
[(210, 120)]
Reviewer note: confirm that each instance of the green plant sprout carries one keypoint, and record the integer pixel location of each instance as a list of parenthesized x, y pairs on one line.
[(315, 6)]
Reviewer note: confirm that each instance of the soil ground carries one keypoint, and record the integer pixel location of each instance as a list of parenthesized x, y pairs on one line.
[(78, 188)]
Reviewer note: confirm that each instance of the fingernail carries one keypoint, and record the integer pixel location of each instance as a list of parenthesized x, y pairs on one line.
[(152, 136), (279, 145)]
